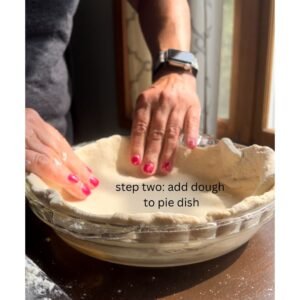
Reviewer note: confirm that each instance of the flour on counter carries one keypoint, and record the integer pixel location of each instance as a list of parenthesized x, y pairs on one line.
[(39, 287)]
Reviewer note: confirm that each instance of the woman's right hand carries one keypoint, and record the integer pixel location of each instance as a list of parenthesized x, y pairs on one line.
[(49, 156)]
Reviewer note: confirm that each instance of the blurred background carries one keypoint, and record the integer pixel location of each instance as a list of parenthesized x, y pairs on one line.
[(110, 65)]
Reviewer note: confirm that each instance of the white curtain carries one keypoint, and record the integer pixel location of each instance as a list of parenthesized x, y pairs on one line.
[(206, 45)]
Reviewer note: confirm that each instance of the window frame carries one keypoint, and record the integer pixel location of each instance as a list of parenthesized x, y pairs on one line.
[(251, 74)]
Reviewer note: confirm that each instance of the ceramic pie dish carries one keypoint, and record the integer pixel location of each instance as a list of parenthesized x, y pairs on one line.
[(121, 229)]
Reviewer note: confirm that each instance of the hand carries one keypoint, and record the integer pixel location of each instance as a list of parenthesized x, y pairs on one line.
[(49, 156), (168, 107)]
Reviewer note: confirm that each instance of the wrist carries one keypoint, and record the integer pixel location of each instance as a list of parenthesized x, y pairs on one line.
[(167, 68), (176, 73)]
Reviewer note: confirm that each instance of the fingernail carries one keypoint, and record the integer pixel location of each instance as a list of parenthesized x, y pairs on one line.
[(192, 143), (85, 189), (135, 160), (94, 181), (167, 166), (148, 168), (89, 169), (73, 178)]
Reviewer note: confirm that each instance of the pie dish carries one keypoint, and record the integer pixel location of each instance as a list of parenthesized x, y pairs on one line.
[(114, 223)]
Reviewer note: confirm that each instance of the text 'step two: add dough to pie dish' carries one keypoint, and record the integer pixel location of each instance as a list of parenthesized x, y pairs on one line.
[(205, 184)]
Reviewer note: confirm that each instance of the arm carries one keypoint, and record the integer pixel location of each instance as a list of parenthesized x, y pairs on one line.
[(171, 105), (165, 24)]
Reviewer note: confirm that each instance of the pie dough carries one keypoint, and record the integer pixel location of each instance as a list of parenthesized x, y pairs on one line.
[(247, 175)]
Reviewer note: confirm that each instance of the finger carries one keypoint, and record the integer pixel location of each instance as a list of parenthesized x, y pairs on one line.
[(81, 170), (43, 166), (64, 152), (34, 144), (171, 139), (155, 137), (50, 136), (139, 129), (191, 126)]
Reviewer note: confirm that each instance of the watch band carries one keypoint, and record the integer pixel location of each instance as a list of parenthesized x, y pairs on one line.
[(181, 59)]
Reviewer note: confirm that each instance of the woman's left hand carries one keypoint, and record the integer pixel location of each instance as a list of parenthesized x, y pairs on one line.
[(170, 106)]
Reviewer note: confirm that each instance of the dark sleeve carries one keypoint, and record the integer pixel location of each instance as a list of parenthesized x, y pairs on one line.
[(48, 30)]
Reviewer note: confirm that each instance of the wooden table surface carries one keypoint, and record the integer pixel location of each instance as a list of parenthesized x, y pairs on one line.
[(246, 273)]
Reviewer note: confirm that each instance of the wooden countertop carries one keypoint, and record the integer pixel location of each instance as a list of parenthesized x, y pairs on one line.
[(246, 273)]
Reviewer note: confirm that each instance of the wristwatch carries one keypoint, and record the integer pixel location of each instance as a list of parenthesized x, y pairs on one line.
[(181, 59)]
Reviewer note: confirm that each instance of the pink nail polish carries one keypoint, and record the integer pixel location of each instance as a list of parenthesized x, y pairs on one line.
[(85, 189), (148, 168), (135, 160), (94, 181), (73, 178), (192, 143), (167, 166)]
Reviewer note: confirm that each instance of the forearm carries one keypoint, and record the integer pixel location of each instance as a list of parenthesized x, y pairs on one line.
[(165, 24), (170, 105)]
